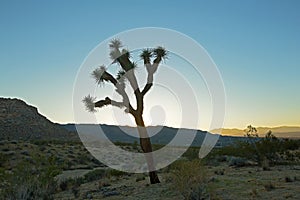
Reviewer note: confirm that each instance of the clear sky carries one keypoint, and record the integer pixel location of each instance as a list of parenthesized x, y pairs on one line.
[(255, 44)]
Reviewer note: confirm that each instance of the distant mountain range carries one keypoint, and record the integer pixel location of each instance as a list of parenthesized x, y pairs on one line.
[(159, 134), (19, 120), (281, 131)]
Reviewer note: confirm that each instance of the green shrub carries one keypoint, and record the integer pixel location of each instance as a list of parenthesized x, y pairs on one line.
[(238, 162), (29, 181), (269, 186), (63, 185), (189, 178), (192, 153), (265, 151), (3, 159), (114, 172), (95, 175)]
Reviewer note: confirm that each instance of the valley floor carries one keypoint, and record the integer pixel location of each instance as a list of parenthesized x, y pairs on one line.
[(223, 181), (280, 182)]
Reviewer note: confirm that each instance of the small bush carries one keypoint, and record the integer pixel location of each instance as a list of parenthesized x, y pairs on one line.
[(260, 150), (63, 185), (3, 159), (189, 178), (95, 175), (114, 172), (265, 164), (29, 181), (191, 153), (288, 179), (140, 177), (237, 162), (254, 192), (75, 191), (220, 172), (269, 186), (103, 183)]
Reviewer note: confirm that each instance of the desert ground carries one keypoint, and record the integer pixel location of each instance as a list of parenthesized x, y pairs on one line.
[(77, 175)]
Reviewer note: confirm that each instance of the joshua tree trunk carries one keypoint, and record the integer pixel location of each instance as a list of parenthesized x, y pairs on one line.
[(147, 148)]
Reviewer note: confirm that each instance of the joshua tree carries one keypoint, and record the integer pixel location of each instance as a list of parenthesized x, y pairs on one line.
[(152, 58), (251, 132)]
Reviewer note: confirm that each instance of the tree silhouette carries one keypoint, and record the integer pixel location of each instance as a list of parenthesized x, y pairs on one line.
[(152, 58), (251, 131)]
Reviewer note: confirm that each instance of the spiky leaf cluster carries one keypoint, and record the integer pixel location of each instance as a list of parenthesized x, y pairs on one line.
[(99, 74), (160, 52), (114, 55), (115, 44), (146, 55), (89, 103)]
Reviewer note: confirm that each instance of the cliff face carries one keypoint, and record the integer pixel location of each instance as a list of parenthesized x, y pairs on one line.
[(19, 120)]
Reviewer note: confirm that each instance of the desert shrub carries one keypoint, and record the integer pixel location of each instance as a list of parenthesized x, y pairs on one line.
[(238, 149), (269, 186), (78, 181), (265, 164), (264, 150), (271, 147), (42, 148), (75, 191), (238, 162), (96, 161), (114, 172), (71, 183), (103, 183), (191, 153), (5, 149), (135, 145), (140, 177), (74, 183), (222, 158), (95, 175), (63, 185), (118, 143), (40, 142), (29, 181), (3, 159), (189, 178), (83, 158), (219, 172), (288, 179), (254, 192)]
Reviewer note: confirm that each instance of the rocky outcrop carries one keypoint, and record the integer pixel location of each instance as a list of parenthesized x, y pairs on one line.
[(19, 120)]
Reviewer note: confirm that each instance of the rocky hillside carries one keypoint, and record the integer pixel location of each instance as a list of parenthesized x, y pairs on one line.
[(19, 120)]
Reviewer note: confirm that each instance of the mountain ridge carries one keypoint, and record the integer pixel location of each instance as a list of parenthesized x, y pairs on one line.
[(18, 120), (278, 131)]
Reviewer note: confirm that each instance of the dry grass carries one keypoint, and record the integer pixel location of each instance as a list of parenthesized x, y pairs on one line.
[(190, 179)]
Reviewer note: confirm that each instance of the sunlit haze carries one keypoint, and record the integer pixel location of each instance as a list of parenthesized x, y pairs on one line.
[(255, 45)]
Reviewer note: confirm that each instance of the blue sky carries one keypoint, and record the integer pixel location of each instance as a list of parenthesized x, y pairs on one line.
[(255, 45)]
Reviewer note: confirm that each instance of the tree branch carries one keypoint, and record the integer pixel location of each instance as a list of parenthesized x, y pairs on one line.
[(151, 69), (146, 88), (128, 66), (123, 59), (120, 88), (108, 101), (101, 103)]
